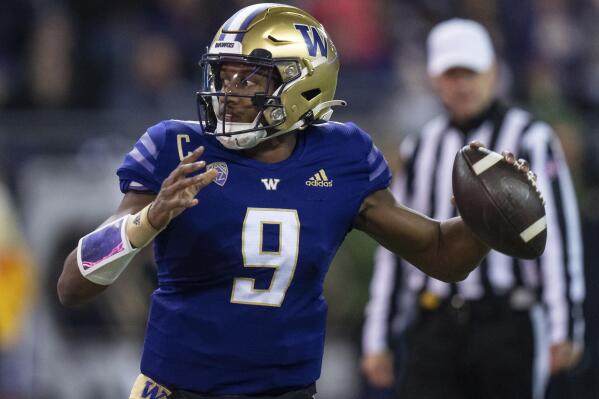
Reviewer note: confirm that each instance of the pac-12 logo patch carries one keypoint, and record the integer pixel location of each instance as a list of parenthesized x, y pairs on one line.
[(222, 172)]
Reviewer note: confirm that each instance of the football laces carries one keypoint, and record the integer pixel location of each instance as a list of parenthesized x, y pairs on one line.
[(532, 178)]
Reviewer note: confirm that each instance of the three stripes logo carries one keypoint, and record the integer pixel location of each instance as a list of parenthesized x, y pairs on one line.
[(320, 179)]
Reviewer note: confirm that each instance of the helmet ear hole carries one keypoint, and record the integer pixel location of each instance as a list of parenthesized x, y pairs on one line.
[(310, 94), (261, 53)]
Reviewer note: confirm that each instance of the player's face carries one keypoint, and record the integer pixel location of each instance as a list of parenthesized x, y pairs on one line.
[(465, 93), (242, 79)]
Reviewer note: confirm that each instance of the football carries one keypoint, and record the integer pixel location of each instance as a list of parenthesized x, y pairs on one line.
[(501, 204)]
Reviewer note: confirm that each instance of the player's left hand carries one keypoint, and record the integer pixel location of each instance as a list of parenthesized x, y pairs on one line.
[(510, 188), (523, 166), (520, 164), (564, 356)]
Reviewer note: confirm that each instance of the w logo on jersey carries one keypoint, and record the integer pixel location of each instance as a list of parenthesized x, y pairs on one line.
[(270, 184), (315, 42)]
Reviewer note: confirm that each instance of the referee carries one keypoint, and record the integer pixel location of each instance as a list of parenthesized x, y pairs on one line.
[(511, 323)]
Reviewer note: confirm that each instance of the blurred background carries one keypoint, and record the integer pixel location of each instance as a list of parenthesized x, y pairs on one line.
[(80, 81)]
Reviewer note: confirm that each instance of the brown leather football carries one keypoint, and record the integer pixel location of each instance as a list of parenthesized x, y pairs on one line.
[(499, 203)]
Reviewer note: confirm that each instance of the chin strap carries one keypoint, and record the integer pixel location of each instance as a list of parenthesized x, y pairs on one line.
[(328, 104), (232, 142), (303, 122)]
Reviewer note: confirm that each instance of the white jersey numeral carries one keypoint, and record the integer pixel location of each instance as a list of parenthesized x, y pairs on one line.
[(283, 261)]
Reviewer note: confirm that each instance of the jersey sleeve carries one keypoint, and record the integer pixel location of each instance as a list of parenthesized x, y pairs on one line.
[(375, 164), (138, 172)]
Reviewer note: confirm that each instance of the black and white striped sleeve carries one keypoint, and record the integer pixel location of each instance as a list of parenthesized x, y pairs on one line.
[(561, 266), (376, 334), (384, 284)]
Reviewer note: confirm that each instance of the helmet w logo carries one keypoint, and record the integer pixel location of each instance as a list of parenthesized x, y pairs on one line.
[(315, 42)]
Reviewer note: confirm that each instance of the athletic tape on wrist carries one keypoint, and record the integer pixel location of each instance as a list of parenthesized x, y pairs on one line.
[(139, 230)]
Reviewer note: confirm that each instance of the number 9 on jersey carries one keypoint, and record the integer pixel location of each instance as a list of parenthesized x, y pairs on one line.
[(283, 261)]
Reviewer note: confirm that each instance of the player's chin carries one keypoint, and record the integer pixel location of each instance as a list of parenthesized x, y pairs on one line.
[(239, 117)]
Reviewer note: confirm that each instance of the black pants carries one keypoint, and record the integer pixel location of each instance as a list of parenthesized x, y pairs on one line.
[(305, 393), (481, 351)]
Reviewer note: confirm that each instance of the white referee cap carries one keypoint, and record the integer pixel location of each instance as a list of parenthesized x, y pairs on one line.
[(459, 43)]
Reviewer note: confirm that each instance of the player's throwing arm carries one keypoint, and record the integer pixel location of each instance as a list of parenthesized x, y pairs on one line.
[(103, 254), (449, 250)]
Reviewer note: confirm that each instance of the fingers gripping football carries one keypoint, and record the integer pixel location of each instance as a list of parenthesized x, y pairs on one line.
[(179, 189), (522, 166), (498, 198)]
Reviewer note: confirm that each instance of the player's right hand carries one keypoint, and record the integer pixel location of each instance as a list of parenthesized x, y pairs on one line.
[(178, 191), (378, 369)]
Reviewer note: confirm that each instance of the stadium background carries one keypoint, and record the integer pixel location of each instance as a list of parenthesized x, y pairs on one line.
[(81, 80)]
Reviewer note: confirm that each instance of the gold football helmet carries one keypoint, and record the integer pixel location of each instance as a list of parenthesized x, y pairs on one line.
[(271, 69)]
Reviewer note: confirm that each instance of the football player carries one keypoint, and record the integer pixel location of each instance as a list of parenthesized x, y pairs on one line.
[(246, 210)]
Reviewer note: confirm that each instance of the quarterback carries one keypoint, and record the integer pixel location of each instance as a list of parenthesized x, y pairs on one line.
[(246, 209)]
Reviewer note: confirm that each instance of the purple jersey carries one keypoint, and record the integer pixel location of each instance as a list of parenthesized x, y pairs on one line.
[(239, 307)]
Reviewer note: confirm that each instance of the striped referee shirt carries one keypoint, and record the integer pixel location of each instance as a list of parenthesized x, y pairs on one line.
[(424, 184)]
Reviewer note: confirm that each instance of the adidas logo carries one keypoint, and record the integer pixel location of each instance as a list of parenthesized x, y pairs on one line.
[(319, 179)]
